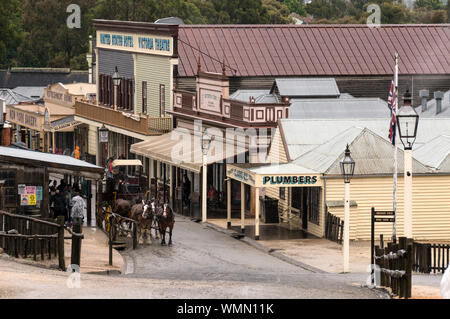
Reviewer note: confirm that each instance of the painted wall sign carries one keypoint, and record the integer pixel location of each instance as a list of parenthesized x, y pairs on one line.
[(59, 96), (23, 118), (289, 180), (140, 43), (241, 176), (210, 100)]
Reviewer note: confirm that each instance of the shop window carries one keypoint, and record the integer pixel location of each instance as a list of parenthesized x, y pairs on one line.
[(282, 193), (8, 191), (144, 97), (313, 205), (162, 100)]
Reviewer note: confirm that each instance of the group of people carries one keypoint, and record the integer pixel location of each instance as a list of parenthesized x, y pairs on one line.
[(66, 200)]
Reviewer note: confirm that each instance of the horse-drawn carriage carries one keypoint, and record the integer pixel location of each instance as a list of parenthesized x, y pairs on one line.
[(126, 207)]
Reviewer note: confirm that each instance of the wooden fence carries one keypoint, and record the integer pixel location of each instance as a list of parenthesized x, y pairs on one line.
[(38, 238), (334, 228), (431, 257), (394, 265)]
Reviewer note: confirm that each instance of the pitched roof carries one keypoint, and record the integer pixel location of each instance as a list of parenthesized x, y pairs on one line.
[(301, 135), (371, 153), (306, 87), (435, 152), (345, 108), (33, 92), (12, 97), (314, 50), (431, 107), (40, 77)]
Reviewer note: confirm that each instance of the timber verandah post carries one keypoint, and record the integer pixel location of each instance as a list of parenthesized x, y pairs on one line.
[(60, 222)]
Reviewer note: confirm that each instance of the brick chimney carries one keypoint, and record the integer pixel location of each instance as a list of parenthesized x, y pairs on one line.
[(424, 94), (438, 95)]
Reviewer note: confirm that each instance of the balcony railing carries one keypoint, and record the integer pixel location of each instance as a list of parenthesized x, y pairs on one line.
[(145, 125)]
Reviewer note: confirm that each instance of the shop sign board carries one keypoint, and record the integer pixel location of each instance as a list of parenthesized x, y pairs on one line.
[(23, 118), (138, 43), (289, 180), (241, 176)]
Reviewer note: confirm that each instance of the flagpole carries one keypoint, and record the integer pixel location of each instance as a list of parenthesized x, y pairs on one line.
[(394, 226)]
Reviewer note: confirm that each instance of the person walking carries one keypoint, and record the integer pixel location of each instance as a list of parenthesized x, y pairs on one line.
[(78, 206), (186, 190), (59, 203)]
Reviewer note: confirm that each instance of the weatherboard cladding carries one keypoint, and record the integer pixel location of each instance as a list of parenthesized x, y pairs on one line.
[(156, 70), (108, 60), (314, 50)]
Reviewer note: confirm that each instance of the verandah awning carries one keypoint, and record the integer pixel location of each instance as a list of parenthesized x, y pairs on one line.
[(183, 149)]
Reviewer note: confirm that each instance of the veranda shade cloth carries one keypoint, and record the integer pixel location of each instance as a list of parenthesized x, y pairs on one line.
[(183, 149)]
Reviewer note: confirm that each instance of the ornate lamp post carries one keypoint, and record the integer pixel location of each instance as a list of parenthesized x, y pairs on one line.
[(347, 170), (206, 143), (407, 122), (103, 135), (116, 81)]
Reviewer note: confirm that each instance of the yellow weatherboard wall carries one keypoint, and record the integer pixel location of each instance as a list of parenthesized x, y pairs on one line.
[(431, 205)]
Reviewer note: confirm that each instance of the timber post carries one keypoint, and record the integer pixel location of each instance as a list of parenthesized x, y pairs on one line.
[(62, 264)]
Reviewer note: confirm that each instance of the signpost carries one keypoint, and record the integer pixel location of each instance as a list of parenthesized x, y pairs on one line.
[(378, 217)]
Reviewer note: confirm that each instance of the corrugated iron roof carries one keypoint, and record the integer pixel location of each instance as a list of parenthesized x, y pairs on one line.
[(435, 152), (307, 87), (11, 97), (46, 157), (346, 108), (372, 154), (33, 92), (244, 95), (314, 50), (303, 133), (431, 107)]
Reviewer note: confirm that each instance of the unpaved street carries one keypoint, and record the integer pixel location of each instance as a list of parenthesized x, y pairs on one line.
[(202, 263)]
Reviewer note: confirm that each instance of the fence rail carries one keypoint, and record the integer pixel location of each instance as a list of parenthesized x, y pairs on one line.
[(431, 257), (33, 237), (334, 228), (394, 263)]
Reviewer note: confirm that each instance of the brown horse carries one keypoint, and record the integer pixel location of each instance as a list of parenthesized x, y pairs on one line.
[(143, 215), (166, 219), (122, 207)]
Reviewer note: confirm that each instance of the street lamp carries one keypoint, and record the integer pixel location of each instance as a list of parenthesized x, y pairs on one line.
[(206, 143), (347, 170), (407, 122), (103, 136), (116, 81)]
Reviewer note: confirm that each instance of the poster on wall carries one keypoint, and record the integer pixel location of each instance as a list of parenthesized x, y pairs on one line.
[(30, 190), (21, 189), (24, 200), (39, 193), (32, 199)]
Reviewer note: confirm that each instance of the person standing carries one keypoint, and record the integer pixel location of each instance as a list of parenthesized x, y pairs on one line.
[(78, 206), (60, 205), (186, 190)]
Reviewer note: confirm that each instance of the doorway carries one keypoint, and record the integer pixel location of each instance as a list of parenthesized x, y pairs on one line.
[(306, 201)]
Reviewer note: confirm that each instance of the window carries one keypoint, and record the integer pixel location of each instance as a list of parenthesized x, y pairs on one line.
[(129, 105), (282, 193), (144, 97), (8, 192), (162, 100)]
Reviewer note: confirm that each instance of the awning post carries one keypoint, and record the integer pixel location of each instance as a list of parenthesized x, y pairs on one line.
[(243, 207), (257, 213), (229, 203)]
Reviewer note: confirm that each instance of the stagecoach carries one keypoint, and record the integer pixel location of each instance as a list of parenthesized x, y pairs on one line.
[(125, 181)]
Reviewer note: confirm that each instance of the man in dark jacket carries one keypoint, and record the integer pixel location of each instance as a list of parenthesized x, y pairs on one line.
[(60, 207)]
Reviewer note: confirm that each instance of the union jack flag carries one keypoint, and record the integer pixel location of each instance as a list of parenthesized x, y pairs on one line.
[(393, 107)]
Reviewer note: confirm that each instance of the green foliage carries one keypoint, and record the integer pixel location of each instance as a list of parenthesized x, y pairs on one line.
[(34, 33), (431, 4), (296, 6)]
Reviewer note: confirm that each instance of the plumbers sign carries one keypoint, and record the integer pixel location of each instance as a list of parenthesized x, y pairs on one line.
[(289, 180), (139, 43)]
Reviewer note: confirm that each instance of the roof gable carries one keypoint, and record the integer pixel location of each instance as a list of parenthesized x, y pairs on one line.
[(372, 154)]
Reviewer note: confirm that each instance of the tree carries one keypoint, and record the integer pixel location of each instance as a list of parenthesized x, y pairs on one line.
[(278, 12), (296, 6), (11, 32), (431, 4)]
